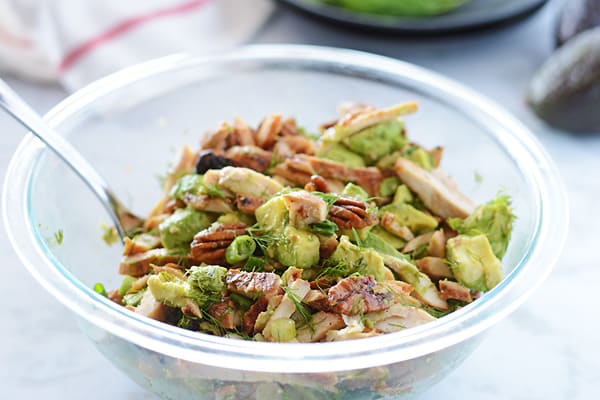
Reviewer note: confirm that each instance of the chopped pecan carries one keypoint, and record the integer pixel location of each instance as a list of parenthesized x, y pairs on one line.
[(253, 283), (252, 157), (269, 128), (357, 295), (349, 213), (209, 245), (247, 204), (251, 315)]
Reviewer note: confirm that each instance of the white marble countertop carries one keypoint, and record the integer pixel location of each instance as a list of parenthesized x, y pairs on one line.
[(548, 349)]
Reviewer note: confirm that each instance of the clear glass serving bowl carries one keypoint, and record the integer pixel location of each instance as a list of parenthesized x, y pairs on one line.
[(129, 126)]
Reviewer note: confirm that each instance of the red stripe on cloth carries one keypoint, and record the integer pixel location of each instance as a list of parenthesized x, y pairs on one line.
[(74, 55)]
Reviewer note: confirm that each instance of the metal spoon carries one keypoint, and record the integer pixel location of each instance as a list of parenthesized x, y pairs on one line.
[(14, 105)]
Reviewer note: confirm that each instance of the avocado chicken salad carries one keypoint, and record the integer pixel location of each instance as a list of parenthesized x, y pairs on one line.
[(274, 234)]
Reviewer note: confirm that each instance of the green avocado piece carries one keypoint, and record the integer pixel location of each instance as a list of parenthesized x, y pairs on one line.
[(406, 215), (178, 230), (390, 238), (364, 261), (565, 92), (376, 242), (208, 279), (298, 248), (473, 262), (379, 140), (412, 8), (273, 215), (420, 157), (493, 219), (340, 153), (186, 184), (403, 195), (388, 186), (355, 191), (172, 291)]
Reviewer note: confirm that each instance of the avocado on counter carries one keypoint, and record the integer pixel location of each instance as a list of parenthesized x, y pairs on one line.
[(565, 92), (577, 16), (409, 8)]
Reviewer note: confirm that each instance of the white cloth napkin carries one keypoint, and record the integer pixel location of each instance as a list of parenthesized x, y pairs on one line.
[(77, 41)]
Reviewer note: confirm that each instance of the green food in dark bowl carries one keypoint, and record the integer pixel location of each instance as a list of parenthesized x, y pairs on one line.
[(412, 8)]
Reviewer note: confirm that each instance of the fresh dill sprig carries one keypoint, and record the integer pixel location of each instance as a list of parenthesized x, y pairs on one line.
[(301, 307), (337, 269)]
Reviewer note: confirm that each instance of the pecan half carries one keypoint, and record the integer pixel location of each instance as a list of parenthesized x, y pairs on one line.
[(209, 245), (349, 213)]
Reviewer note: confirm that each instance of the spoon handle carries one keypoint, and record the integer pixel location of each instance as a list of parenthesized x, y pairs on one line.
[(14, 105)]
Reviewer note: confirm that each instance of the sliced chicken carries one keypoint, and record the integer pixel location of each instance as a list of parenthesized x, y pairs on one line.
[(252, 157), (443, 200), (321, 323), (414, 244), (268, 130), (356, 122), (226, 313), (454, 290), (399, 317), (151, 308), (244, 135), (247, 204), (247, 182), (203, 202), (140, 244), (305, 208), (141, 263), (287, 146), (251, 315), (437, 244), (434, 267)]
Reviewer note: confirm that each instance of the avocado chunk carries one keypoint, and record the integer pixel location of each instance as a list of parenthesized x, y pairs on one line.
[(376, 242), (388, 186), (376, 141), (409, 8), (493, 219), (420, 157), (204, 286), (172, 291), (564, 92), (273, 215), (178, 229), (403, 195), (473, 263), (186, 184), (363, 261), (340, 153), (297, 248), (406, 215), (390, 238), (355, 191)]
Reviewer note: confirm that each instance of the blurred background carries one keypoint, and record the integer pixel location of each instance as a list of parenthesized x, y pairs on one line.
[(539, 59)]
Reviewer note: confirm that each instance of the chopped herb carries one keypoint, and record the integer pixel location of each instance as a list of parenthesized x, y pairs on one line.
[(109, 234), (134, 299), (397, 325), (99, 288), (301, 307), (356, 238), (59, 236), (339, 269)]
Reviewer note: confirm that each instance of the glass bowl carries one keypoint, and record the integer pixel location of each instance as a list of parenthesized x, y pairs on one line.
[(129, 126)]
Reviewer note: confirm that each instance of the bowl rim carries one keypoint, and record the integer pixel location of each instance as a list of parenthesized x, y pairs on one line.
[(545, 245)]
